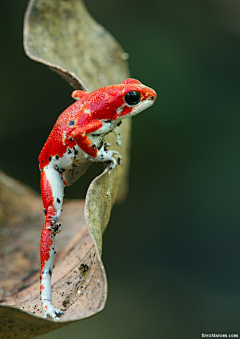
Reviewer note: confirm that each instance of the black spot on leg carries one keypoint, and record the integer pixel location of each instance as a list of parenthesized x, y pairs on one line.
[(119, 123), (75, 151), (58, 200), (69, 151), (57, 157), (50, 158)]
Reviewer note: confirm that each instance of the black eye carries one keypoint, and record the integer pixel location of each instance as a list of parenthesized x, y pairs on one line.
[(132, 98)]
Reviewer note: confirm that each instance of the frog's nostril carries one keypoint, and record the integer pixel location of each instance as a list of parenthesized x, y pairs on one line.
[(152, 98)]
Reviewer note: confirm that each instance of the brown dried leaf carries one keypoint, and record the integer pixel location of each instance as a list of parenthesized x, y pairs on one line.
[(63, 36)]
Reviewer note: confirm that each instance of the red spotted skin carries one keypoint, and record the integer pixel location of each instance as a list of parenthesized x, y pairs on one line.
[(76, 140), (47, 236)]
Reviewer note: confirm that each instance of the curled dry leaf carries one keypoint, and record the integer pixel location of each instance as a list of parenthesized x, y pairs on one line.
[(63, 36)]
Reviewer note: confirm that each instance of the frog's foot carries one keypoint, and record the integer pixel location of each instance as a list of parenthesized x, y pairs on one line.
[(108, 155), (50, 311), (116, 159)]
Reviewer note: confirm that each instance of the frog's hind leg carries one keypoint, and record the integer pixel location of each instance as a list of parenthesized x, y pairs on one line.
[(52, 195)]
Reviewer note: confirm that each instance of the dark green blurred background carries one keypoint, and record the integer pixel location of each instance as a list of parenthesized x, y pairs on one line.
[(171, 251)]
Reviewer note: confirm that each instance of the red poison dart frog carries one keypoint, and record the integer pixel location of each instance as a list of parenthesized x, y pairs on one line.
[(77, 140)]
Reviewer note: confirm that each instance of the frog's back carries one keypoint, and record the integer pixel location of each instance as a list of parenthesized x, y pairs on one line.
[(58, 140)]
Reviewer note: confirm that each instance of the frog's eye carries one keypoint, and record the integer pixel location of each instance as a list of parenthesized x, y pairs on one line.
[(132, 98)]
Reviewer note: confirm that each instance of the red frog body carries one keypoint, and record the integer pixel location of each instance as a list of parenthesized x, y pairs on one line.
[(76, 141)]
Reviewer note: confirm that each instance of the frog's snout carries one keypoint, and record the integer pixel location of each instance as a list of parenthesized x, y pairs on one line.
[(153, 95)]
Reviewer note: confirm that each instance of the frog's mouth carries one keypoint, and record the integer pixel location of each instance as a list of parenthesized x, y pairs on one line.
[(142, 106)]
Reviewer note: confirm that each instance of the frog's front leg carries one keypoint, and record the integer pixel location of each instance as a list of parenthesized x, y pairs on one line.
[(80, 136), (103, 154), (96, 154), (52, 195), (118, 136)]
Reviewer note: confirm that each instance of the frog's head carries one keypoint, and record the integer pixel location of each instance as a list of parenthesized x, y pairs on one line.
[(133, 98), (119, 101)]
